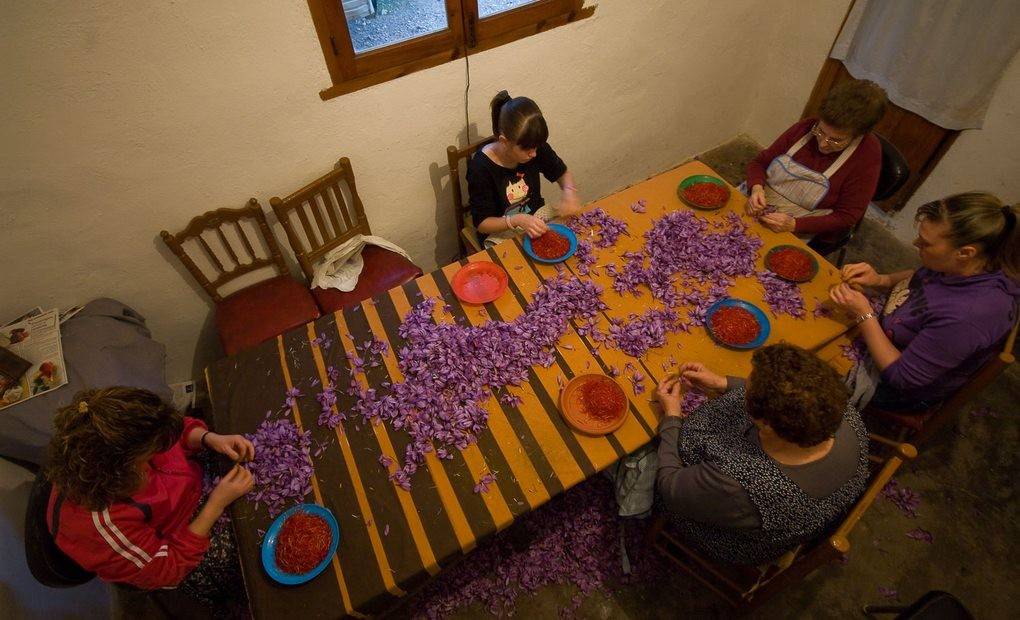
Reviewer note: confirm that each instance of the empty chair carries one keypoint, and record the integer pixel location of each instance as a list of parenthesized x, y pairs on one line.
[(258, 311), (327, 217)]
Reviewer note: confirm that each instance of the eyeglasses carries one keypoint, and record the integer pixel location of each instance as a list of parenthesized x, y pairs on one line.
[(817, 132)]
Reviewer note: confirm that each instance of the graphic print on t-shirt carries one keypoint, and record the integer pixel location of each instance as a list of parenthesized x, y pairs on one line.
[(517, 192)]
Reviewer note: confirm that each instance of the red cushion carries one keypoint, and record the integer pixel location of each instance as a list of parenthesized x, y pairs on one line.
[(262, 311), (383, 270)]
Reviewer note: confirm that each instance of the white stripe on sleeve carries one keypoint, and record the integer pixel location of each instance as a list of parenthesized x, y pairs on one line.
[(123, 539), (113, 543)]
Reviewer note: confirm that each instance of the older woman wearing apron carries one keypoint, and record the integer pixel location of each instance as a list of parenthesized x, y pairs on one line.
[(818, 177)]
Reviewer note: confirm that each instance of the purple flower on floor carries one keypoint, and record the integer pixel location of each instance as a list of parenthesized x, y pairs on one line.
[(573, 539), (983, 412), (921, 534), (904, 498), (888, 592)]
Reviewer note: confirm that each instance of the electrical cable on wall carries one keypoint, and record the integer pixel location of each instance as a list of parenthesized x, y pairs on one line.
[(467, 88)]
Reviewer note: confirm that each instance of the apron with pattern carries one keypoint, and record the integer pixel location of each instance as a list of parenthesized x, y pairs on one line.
[(795, 189)]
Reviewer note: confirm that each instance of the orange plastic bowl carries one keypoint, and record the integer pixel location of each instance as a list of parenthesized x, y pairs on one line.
[(479, 283)]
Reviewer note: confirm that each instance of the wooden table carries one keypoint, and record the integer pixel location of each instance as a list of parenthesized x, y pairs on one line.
[(392, 540)]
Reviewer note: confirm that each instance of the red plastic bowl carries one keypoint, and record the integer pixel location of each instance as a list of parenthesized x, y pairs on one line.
[(479, 283)]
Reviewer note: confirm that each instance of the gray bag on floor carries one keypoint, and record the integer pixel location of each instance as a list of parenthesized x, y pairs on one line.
[(634, 481)]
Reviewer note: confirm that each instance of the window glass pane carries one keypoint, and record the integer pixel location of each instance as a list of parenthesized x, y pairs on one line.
[(488, 8), (378, 23)]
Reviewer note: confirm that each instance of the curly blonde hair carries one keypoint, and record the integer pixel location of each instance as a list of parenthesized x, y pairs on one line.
[(100, 438)]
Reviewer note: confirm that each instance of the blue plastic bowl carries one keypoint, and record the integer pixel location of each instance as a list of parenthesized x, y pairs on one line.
[(269, 545), (563, 230), (763, 322)]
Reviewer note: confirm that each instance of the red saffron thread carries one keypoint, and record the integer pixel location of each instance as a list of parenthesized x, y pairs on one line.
[(706, 194), (550, 245), (734, 325), (302, 543)]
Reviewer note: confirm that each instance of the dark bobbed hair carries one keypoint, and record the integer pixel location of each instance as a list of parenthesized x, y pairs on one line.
[(519, 120), (796, 393)]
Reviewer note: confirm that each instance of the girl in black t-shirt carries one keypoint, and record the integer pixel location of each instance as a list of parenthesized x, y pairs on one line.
[(504, 189)]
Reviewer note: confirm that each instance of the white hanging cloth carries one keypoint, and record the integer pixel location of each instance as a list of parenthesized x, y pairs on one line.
[(941, 60)]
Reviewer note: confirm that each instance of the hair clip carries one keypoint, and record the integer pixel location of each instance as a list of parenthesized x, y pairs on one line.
[(83, 407)]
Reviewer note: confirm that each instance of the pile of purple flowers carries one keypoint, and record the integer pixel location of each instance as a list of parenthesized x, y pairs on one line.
[(450, 370), (282, 467), (637, 334), (682, 248), (609, 227), (782, 297)]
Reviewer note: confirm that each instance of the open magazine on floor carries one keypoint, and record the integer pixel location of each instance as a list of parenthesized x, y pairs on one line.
[(35, 337)]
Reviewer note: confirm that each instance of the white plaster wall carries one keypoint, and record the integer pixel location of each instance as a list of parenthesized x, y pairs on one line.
[(797, 37), (986, 159), (123, 118)]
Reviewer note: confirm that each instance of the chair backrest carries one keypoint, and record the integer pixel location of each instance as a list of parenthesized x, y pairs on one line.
[(955, 404), (327, 218), (895, 171), (748, 587), (461, 212), (836, 545), (48, 564), (237, 255)]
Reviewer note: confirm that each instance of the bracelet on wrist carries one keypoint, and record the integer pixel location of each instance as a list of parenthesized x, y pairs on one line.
[(201, 441), (865, 317)]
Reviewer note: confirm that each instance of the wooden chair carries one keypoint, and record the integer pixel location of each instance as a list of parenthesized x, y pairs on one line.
[(894, 174), (747, 587), (259, 311), (918, 427), (328, 219), (467, 236)]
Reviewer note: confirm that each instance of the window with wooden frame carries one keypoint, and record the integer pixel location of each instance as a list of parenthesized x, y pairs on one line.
[(366, 42)]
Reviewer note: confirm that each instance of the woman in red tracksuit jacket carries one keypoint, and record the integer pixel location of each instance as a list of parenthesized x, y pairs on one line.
[(127, 488)]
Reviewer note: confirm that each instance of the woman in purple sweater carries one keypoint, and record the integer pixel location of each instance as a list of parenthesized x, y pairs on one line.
[(945, 319)]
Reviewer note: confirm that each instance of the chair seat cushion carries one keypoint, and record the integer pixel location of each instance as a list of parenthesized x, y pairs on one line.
[(383, 270), (262, 311)]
